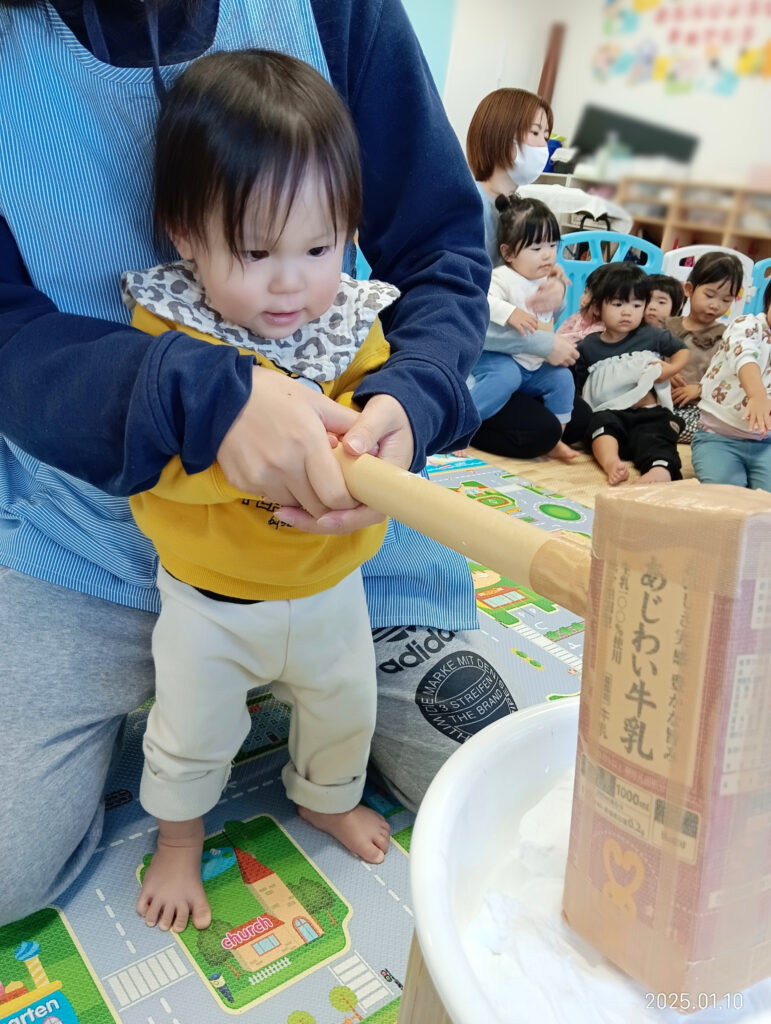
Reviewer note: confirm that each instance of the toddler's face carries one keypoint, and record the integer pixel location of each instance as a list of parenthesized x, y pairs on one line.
[(709, 301), (535, 260), (623, 315), (658, 309), (274, 287)]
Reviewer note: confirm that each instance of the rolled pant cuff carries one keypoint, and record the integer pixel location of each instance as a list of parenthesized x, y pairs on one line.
[(181, 801), (324, 799)]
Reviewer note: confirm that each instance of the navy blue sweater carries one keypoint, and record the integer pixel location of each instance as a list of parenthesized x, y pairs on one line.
[(111, 405)]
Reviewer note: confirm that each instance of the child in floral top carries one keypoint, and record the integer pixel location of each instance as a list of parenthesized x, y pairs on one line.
[(732, 444)]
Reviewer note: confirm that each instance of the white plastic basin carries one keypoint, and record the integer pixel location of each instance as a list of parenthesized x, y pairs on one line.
[(469, 817)]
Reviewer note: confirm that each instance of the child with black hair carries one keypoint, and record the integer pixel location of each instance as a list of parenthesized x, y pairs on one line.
[(623, 372), (732, 444), (258, 185), (528, 234), (667, 299), (587, 319), (714, 282)]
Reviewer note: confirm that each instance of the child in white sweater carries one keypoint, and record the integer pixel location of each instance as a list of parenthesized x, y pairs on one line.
[(528, 234)]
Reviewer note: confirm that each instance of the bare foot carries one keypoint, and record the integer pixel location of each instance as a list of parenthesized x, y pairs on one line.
[(461, 453), (563, 452), (362, 831), (617, 472), (172, 889), (655, 475)]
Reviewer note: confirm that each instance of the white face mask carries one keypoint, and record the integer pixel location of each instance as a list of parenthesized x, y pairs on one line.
[(530, 163)]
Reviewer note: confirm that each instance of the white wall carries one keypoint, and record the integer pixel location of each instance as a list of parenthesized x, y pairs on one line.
[(487, 52), (503, 42)]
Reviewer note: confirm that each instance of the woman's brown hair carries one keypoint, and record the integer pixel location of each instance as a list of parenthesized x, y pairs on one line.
[(502, 118)]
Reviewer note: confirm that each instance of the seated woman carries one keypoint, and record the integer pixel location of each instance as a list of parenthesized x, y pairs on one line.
[(506, 147)]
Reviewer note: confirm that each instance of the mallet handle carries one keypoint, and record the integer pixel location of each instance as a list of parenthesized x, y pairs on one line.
[(556, 566)]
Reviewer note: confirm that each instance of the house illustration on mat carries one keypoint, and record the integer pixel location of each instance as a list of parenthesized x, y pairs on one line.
[(284, 925)]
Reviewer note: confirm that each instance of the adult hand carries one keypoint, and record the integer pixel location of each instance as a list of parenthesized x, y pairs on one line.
[(522, 321), (548, 297), (678, 381), (278, 447), (564, 352), (382, 429), (684, 394)]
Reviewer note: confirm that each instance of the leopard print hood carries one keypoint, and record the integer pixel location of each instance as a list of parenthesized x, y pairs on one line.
[(320, 351)]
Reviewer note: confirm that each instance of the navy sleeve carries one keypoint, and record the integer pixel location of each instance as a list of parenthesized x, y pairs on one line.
[(669, 343), (103, 401), (580, 370), (422, 227)]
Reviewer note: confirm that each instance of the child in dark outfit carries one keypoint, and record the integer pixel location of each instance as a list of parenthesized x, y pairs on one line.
[(623, 373)]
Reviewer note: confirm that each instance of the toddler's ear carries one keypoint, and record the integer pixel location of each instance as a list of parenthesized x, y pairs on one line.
[(182, 243), (688, 289)]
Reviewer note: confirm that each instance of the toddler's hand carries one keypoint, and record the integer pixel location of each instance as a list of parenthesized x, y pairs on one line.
[(685, 394), (758, 414), (564, 352), (383, 429), (559, 274), (548, 297), (678, 381), (523, 321)]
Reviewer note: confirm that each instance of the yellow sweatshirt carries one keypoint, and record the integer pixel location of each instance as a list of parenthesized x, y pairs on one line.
[(215, 537)]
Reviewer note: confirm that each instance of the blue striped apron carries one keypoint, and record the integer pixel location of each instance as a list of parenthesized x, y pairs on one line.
[(75, 127)]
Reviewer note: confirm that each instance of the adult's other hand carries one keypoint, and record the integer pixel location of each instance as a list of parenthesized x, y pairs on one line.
[(278, 447)]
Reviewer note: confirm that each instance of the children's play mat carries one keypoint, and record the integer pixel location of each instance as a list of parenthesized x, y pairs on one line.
[(302, 931)]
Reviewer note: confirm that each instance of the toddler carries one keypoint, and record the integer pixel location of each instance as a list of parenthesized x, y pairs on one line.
[(528, 234), (713, 283), (667, 299), (732, 443), (587, 319), (624, 376), (258, 185)]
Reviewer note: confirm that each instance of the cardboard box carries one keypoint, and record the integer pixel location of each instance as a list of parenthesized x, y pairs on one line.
[(669, 868)]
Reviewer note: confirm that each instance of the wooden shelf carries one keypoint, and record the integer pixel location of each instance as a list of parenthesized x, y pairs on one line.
[(675, 197), (743, 233), (648, 220), (717, 207), (700, 226)]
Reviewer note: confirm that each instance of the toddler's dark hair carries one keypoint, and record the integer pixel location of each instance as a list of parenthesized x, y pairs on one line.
[(622, 281), (252, 121), (524, 222), (715, 268), (671, 287), (767, 299)]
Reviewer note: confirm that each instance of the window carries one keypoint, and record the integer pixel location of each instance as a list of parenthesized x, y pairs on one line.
[(305, 929), (266, 944)]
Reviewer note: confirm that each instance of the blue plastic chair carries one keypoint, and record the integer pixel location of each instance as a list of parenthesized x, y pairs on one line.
[(760, 281), (578, 270)]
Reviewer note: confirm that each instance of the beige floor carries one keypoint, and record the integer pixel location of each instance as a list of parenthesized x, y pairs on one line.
[(580, 480)]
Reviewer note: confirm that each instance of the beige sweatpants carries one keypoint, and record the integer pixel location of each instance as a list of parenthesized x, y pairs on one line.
[(317, 655)]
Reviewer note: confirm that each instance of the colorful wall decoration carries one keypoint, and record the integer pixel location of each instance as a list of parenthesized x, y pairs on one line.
[(706, 46)]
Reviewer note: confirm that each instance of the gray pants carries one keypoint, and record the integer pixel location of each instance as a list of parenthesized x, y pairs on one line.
[(73, 666)]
